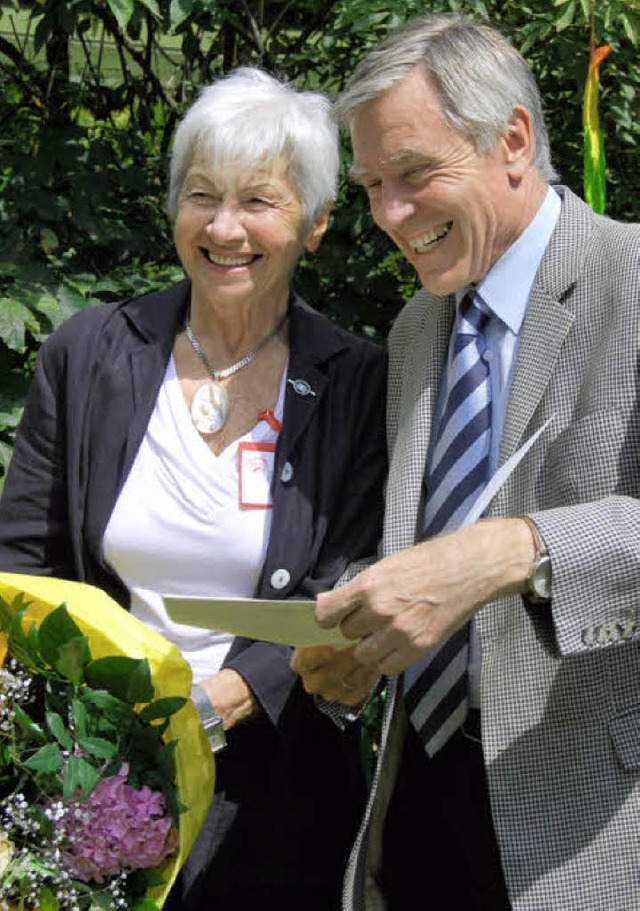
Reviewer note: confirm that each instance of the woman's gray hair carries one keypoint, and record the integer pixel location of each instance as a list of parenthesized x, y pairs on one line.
[(249, 119), (477, 74)]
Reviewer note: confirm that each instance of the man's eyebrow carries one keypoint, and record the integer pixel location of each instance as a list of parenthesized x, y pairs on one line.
[(402, 156), (414, 156), (357, 172)]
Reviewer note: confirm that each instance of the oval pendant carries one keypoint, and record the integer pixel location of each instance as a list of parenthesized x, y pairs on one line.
[(210, 407)]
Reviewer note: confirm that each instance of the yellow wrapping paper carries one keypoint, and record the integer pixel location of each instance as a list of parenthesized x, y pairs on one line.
[(111, 630)]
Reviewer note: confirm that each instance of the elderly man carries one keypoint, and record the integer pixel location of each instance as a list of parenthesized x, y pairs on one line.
[(509, 767)]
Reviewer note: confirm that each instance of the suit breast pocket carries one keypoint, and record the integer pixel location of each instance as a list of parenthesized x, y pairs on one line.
[(586, 461)]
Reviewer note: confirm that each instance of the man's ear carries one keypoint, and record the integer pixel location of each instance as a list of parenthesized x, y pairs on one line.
[(316, 232), (517, 142)]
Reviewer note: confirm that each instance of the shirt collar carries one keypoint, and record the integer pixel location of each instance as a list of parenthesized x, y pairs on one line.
[(507, 285)]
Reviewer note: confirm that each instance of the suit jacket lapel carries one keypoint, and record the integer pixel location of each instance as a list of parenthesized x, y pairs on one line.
[(129, 370), (422, 368), (547, 322), (543, 333), (312, 342)]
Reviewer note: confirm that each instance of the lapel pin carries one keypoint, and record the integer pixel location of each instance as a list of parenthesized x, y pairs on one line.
[(301, 387)]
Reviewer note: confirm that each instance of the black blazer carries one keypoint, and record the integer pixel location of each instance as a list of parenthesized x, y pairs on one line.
[(95, 385)]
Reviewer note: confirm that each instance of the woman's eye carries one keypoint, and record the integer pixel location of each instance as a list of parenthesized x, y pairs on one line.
[(200, 196)]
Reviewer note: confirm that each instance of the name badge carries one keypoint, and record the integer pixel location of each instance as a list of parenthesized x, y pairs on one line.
[(255, 471)]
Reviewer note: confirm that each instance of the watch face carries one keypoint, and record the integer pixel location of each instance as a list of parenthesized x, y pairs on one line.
[(540, 581)]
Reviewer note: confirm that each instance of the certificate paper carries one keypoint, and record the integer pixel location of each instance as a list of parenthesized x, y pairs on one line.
[(287, 622)]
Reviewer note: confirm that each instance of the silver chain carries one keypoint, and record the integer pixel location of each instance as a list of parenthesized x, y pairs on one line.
[(228, 371)]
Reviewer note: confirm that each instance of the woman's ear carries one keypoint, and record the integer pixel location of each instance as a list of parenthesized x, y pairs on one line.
[(316, 232)]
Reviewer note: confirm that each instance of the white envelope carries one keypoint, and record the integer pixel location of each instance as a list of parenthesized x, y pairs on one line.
[(287, 622)]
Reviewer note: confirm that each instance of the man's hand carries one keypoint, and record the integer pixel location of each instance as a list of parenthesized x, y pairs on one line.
[(405, 605), (334, 675)]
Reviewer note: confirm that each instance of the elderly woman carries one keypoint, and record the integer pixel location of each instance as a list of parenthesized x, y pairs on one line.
[(132, 471)]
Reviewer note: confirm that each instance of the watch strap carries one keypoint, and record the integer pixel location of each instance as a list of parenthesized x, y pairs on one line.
[(209, 718)]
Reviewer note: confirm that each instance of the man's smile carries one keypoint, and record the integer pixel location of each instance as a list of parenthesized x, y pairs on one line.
[(426, 242)]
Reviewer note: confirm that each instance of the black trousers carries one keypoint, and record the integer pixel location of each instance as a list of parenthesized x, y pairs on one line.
[(439, 850)]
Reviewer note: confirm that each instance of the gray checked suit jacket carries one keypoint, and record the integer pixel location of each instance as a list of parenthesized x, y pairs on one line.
[(560, 686)]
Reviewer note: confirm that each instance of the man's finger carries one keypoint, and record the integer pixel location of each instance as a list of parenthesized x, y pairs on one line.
[(334, 606)]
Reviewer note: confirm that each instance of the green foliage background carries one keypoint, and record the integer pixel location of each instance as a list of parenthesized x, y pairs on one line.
[(90, 93)]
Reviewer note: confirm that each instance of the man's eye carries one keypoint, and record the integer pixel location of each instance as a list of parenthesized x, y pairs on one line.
[(372, 185), (415, 174)]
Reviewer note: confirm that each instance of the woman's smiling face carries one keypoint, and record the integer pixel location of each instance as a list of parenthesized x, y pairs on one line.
[(239, 240)]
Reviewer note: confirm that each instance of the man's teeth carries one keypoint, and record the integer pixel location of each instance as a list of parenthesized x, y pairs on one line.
[(424, 243), (228, 260)]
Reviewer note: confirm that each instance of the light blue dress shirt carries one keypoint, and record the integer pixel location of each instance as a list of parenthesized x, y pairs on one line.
[(504, 293)]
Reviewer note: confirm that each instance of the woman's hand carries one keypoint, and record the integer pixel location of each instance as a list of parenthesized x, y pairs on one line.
[(231, 697)]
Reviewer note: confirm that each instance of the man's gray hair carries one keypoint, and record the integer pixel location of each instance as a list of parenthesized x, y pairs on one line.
[(249, 120), (478, 75)]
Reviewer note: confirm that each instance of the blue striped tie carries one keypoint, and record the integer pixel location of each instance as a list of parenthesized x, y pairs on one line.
[(436, 688)]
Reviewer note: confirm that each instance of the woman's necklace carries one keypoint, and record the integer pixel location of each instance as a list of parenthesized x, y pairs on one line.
[(210, 404)]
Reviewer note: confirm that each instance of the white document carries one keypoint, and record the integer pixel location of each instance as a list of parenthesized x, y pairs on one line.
[(287, 622), (294, 622)]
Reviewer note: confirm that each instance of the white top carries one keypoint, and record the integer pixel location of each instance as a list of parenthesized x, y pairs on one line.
[(178, 527)]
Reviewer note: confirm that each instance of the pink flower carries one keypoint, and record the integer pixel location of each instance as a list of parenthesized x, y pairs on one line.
[(116, 828)]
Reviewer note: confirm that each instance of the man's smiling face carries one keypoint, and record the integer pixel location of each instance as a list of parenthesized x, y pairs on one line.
[(451, 210)]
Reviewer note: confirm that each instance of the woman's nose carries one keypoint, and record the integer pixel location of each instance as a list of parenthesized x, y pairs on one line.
[(225, 224)]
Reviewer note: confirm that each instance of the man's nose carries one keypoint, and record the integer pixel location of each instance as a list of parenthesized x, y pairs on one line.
[(392, 209)]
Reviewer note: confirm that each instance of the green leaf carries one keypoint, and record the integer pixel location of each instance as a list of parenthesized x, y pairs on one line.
[(122, 10), (101, 901), (145, 904), (98, 747), (162, 708), (629, 27), (179, 11), (57, 630), (80, 717), (5, 456), (127, 678), (59, 730), (74, 655), (47, 900), (15, 320), (153, 8), (585, 9), (111, 706), (79, 776), (47, 759), (28, 728), (566, 17), (8, 612)]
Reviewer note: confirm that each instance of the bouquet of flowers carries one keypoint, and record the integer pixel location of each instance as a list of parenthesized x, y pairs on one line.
[(105, 772)]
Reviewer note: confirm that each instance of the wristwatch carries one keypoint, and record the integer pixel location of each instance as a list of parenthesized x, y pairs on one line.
[(539, 581), (209, 718)]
